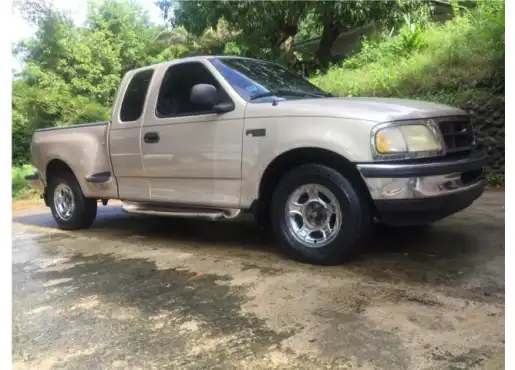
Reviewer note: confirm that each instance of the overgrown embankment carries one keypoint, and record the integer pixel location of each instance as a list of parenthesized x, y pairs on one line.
[(460, 63)]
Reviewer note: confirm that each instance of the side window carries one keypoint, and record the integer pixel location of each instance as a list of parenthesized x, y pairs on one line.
[(174, 94), (134, 99)]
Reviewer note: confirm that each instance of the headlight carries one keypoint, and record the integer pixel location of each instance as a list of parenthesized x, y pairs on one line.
[(416, 138)]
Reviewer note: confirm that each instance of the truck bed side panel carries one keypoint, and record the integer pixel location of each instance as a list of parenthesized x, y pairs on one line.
[(83, 148)]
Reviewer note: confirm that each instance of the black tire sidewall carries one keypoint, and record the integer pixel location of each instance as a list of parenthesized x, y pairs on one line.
[(355, 215), (85, 209)]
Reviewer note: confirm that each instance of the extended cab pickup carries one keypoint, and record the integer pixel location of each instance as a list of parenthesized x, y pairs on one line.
[(219, 136)]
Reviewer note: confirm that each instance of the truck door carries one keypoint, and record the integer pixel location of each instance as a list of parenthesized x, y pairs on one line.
[(124, 135), (191, 156)]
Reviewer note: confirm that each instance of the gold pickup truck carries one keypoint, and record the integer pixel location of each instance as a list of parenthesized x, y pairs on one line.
[(217, 136)]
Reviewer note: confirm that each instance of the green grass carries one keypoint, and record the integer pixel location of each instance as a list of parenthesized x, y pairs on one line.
[(495, 180), (20, 187), (451, 63)]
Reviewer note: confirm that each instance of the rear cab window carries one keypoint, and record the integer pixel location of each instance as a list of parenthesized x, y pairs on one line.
[(135, 96)]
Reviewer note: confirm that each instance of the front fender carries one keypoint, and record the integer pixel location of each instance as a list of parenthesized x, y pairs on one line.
[(348, 138)]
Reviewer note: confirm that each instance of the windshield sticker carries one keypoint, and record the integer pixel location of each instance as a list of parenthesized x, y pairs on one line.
[(251, 88)]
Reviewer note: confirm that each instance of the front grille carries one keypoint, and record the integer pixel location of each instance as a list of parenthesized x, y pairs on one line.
[(457, 134)]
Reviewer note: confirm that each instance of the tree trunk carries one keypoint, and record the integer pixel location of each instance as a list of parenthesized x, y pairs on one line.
[(284, 33), (329, 35), (287, 56)]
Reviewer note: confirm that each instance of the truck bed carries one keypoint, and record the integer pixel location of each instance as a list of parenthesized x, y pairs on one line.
[(84, 149)]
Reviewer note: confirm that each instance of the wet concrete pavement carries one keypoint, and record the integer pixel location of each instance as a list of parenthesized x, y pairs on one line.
[(159, 293)]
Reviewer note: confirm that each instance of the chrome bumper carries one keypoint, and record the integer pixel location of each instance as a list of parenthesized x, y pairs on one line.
[(417, 193), (420, 187), (391, 181)]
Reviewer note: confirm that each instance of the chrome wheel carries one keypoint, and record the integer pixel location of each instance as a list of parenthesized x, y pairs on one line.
[(64, 201), (313, 215)]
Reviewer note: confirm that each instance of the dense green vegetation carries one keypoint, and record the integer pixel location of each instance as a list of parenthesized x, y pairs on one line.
[(19, 185), (446, 62), (266, 29), (70, 72)]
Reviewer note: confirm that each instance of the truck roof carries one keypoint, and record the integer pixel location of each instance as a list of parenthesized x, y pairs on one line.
[(189, 59)]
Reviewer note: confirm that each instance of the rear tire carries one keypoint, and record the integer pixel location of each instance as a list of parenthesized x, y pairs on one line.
[(343, 212), (70, 208)]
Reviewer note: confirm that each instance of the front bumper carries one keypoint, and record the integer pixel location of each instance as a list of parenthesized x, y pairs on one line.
[(415, 193)]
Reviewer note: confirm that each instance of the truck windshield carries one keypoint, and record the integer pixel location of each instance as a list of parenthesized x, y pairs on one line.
[(259, 81)]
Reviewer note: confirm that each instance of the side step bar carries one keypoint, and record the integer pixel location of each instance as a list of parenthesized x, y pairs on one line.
[(179, 211)]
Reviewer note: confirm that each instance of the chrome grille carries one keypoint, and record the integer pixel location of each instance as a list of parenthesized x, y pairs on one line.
[(457, 134)]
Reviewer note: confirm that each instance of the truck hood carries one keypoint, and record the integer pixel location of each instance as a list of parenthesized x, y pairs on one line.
[(367, 109)]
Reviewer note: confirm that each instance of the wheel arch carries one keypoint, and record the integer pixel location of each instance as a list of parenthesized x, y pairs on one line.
[(301, 156), (55, 167)]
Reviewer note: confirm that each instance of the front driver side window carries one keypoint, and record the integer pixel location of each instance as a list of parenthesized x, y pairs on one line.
[(174, 94)]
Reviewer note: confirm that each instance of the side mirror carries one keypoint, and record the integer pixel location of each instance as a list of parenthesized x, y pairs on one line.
[(207, 95), (204, 94)]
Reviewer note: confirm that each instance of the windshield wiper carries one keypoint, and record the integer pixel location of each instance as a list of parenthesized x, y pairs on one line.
[(287, 92)]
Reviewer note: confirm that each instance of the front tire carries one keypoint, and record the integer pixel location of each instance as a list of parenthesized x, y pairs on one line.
[(70, 208), (318, 215)]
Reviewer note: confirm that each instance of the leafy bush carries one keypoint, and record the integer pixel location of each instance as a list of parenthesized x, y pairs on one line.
[(409, 39), (20, 187), (495, 179)]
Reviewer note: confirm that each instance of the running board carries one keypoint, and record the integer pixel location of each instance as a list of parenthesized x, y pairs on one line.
[(179, 211)]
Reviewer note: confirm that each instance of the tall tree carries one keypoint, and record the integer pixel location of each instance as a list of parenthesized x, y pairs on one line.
[(71, 72), (266, 28)]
